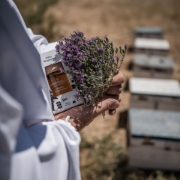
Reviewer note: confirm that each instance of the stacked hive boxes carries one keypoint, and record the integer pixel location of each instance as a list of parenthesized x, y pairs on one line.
[(153, 118)]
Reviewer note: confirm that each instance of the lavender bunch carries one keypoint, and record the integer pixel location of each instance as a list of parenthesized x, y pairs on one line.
[(93, 64)]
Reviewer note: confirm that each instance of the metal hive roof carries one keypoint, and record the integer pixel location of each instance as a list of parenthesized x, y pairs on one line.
[(156, 44), (155, 124), (160, 87), (148, 30), (153, 61)]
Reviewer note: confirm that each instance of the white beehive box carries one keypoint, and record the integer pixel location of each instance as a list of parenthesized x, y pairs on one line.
[(154, 139), (151, 46), (155, 93)]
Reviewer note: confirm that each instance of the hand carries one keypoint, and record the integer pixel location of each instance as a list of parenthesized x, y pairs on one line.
[(116, 88), (81, 116)]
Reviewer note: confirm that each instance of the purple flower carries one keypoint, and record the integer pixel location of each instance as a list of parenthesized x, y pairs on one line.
[(60, 43), (79, 33), (100, 49), (80, 78), (80, 43), (76, 96), (68, 49), (114, 58), (76, 38), (93, 60), (79, 53), (69, 55), (102, 60), (86, 40), (57, 47), (79, 64)]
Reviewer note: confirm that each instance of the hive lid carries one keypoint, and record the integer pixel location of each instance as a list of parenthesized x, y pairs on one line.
[(160, 87), (154, 124), (156, 44), (148, 30), (153, 61)]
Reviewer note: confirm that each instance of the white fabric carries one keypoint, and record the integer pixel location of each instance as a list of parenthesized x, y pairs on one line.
[(32, 145)]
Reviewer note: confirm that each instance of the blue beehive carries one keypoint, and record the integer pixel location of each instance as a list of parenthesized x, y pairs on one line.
[(154, 139), (148, 32)]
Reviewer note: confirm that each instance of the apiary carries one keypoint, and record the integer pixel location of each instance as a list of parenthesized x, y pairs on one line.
[(152, 66), (159, 94), (151, 46), (154, 139), (148, 32)]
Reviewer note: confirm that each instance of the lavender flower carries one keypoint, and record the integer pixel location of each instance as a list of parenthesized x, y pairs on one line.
[(93, 64)]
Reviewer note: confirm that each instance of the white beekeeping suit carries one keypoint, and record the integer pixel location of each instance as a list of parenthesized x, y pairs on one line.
[(32, 145)]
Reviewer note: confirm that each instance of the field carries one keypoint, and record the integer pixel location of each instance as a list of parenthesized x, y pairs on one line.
[(103, 147)]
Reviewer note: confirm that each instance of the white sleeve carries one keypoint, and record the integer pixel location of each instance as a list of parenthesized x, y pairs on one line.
[(30, 148)]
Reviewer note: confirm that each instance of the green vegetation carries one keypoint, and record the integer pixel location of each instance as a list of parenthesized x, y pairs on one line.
[(101, 157)]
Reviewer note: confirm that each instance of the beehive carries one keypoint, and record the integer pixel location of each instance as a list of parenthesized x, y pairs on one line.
[(148, 32), (154, 139), (152, 66), (162, 94), (151, 46)]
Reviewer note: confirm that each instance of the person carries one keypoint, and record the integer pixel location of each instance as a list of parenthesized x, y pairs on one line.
[(33, 146)]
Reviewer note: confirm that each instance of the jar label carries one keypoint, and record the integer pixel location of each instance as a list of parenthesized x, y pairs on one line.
[(57, 79)]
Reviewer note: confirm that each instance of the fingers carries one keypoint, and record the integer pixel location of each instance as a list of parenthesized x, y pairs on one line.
[(114, 90), (109, 102), (112, 111), (118, 79)]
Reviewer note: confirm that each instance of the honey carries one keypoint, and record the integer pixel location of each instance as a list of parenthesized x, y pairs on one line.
[(57, 79)]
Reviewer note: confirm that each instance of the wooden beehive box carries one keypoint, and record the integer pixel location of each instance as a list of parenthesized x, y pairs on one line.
[(154, 139), (148, 32), (161, 94), (152, 66), (151, 46)]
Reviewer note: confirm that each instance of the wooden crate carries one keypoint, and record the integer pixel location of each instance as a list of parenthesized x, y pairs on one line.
[(148, 32), (154, 139), (152, 66), (161, 94), (151, 46)]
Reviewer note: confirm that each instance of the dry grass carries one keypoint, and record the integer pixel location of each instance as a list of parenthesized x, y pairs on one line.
[(103, 149)]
